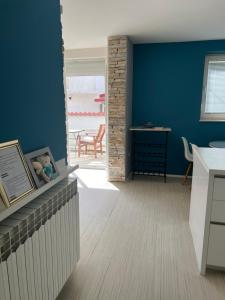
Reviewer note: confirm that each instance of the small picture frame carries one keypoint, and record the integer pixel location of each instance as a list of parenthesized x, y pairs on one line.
[(42, 166), (15, 178)]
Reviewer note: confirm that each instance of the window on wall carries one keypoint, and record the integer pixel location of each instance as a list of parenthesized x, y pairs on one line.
[(213, 96)]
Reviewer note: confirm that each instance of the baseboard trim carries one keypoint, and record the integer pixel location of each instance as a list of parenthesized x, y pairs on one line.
[(129, 176), (177, 176), (167, 175)]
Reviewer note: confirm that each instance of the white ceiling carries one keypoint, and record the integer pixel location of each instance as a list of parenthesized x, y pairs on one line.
[(87, 24)]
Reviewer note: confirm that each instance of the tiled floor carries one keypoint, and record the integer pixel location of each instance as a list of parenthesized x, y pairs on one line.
[(136, 243), (88, 161)]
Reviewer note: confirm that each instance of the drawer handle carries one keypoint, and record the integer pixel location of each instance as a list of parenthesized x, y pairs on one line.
[(217, 223)]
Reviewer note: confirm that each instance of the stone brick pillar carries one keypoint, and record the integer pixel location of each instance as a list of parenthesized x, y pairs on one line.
[(118, 63)]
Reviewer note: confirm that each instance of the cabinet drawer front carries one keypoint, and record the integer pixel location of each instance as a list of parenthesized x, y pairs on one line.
[(216, 247), (218, 211), (219, 189)]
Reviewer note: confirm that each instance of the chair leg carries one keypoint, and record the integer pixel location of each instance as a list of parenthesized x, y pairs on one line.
[(101, 147), (78, 150), (187, 172), (95, 151), (85, 149)]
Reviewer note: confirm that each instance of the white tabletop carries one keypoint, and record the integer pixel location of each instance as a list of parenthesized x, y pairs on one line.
[(75, 130), (212, 158), (217, 144), (141, 128)]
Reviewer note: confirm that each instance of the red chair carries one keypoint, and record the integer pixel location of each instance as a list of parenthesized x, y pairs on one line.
[(94, 141)]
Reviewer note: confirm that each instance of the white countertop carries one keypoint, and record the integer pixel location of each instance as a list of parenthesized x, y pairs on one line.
[(212, 158)]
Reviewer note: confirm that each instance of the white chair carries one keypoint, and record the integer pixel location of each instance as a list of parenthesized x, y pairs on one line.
[(193, 146), (189, 157)]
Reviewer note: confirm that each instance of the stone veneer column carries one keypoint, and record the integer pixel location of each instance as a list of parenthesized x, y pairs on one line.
[(118, 51)]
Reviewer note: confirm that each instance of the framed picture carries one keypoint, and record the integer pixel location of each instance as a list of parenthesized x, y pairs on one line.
[(15, 178), (42, 166), (2, 200)]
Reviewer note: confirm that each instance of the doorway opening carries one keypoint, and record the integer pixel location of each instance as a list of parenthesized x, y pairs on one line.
[(85, 106)]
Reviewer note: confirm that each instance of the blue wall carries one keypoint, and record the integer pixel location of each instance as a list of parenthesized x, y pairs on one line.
[(168, 81), (31, 81)]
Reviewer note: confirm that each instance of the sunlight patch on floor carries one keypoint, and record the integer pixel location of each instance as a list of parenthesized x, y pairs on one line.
[(94, 179)]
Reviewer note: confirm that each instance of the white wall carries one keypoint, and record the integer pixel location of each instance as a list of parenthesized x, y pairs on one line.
[(87, 53), (83, 122), (83, 103)]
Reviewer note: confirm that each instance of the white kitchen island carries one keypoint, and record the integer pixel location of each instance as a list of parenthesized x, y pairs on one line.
[(207, 208)]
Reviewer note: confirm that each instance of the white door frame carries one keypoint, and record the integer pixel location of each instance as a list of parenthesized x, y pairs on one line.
[(71, 55)]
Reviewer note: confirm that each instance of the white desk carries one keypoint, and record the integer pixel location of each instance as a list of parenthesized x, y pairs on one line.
[(207, 208)]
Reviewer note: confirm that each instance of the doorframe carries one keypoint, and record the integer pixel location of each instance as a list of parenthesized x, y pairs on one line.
[(86, 54)]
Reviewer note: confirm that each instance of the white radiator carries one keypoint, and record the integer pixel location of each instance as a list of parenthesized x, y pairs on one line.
[(39, 245)]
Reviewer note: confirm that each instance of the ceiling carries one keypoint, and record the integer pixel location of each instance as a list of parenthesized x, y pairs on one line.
[(87, 24)]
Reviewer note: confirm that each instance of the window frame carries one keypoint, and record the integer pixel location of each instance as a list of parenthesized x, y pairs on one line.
[(204, 116)]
